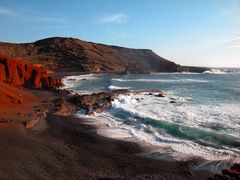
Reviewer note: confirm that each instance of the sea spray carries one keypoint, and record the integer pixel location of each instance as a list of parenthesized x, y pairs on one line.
[(203, 122)]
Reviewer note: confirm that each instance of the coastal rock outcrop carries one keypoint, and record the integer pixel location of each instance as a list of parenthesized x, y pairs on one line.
[(63, 107), (102, 101), (59, 54), (97, 102), (230, 174), (31, 123), (22, 74)]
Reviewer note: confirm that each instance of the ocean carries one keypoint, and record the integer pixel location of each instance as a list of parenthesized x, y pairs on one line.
[(203, 124)]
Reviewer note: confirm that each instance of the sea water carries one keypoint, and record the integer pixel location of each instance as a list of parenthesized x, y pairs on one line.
[(203, 123)]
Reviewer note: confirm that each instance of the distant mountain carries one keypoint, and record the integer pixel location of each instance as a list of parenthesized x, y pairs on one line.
[(73, 55)]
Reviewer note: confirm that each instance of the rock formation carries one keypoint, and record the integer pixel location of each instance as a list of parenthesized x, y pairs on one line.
[(96, 102), (74, 55), (21, 74), (230, 174), (102, 101)]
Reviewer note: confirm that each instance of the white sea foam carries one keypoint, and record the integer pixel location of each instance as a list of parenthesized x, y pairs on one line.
[(190, 115), (81, 77), (175, 73), (161, 80), (73, 81), (130, 116), (187, 115), (111, 87), (215, 71)]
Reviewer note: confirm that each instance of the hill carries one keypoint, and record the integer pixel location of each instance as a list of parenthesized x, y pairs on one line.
[(73, 55)]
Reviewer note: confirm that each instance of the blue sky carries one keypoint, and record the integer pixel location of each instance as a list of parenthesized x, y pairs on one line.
[(188, 32)]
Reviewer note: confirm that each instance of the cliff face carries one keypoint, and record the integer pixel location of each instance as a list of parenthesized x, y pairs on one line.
[(73, 55), (21, 74)]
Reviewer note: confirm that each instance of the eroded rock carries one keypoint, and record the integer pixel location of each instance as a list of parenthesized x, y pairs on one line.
[(21, 74), (97, 102), (31, 123), (63, 107), (161, 94)]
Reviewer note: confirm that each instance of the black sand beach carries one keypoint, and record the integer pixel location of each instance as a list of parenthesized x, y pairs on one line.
[(63, 147)]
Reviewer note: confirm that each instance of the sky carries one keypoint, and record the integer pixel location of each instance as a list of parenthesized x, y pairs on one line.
[(188, 32)]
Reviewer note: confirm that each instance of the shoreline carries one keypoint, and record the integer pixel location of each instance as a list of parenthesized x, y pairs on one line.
[(209, 163), (128, 153), (152, 151), (147, 149), (62, 146), (64, 138)]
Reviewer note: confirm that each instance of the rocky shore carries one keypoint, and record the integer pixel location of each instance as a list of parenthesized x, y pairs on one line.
[(47, 142), (41, 138), (99, 102)]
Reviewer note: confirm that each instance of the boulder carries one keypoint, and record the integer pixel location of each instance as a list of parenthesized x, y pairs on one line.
[(96, 102), (161, 94), (31, 123), (63, 107)]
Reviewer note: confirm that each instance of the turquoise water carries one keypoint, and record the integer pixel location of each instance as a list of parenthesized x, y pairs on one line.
[(205, 121)]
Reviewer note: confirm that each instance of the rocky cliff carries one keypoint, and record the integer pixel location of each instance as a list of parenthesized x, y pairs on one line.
[(73, 55), (22, 74)]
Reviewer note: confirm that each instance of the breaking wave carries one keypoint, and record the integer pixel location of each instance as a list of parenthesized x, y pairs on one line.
[(160, 80), (209, 132), (111, 87)]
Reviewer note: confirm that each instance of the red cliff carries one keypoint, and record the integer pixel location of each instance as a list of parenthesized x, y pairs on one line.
[(21, 74)]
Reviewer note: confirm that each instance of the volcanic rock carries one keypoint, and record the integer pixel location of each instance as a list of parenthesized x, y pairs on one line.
[(63, 55), (161, 94), (96, 102), (63, 107), (22, 74), (31, 123)]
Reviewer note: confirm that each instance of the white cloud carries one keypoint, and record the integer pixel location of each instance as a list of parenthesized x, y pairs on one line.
[(8, 12), (236, 42), (44, 17), (114, 18), (32, 16)]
